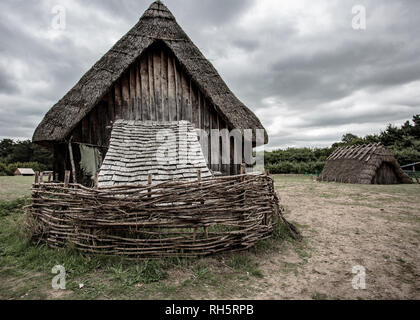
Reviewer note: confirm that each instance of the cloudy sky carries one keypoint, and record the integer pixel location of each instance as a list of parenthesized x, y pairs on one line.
[(298, 64)]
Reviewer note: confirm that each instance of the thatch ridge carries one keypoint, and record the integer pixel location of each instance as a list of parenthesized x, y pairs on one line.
[(359, 164), (156, 24)]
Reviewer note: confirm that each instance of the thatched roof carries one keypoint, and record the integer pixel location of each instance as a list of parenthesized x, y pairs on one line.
[(156, 24), (167, 150), (24, 172), (360, 164)]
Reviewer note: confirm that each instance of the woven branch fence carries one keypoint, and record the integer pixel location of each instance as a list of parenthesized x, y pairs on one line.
[(172, 219)]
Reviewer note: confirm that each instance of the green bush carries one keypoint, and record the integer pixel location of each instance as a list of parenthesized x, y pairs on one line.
[(285, 167)]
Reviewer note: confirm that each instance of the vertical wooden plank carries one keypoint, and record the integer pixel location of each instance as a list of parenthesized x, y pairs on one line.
[(145, 100), (178, 91), (216, 151), (189, 104), (111, 117), (118, 100), (85, 129), (138, 111), (126, 96), (111, 107), (158, 85), (206, 122), (165, 85), (225, 168), (59, 160), (185, 96), (101, 115), (93, 127), (152, 105), (202, 112), (233, 166), (171, 90), (132, 108), (195, 107)]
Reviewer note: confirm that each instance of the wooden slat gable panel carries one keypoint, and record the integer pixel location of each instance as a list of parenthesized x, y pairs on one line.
[(156, 88)]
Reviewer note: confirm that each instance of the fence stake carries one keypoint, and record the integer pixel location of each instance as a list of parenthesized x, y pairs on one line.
[(66, 178), (36, 177), (202, 202), (73, 167), (49, 177), (415, 175), (149, 182), (95, 181)]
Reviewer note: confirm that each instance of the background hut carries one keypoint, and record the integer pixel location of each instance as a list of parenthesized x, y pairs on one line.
[(24, 172), (367, 164), (154, 73)]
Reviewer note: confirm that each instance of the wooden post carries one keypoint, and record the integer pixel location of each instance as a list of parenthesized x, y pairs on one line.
[(243, 171), (415, 175), (66, 178), (41, 177), (36, 177), (95, 181), (149, 182), (202, 202), (49, 177), (73, 167)]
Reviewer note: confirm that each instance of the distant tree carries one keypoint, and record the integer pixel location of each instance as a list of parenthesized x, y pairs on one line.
[(6, 148)]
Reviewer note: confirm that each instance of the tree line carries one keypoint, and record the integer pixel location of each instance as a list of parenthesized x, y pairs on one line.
[(23, 154), (403, 141)]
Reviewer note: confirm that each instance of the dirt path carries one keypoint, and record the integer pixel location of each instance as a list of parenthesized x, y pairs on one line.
[(376, 227)]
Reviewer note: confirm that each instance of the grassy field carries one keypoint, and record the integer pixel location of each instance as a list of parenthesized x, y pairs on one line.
[(343, 225), (12, 188)]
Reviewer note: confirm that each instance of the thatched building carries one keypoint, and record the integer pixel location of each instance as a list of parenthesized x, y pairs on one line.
[(154, 73), (366, 164)]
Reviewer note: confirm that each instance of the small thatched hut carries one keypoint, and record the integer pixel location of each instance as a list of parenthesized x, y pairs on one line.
[(367, 164), (154, 73), (24, 172)]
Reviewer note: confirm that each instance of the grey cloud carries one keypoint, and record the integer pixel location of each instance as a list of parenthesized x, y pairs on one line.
[(310, 76)]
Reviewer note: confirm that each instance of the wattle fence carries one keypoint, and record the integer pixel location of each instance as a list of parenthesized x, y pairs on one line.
[(172, 219)]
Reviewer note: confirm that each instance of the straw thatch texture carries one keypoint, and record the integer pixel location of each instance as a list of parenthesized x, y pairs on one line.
[(180, 219), (367, 164), (156, 24), (168, 150)]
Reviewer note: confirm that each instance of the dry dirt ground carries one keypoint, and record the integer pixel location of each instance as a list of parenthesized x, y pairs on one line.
[(376, 227)]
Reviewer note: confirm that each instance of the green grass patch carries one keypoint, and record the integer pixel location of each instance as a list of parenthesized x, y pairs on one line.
[(243, 263), (8, 207)]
